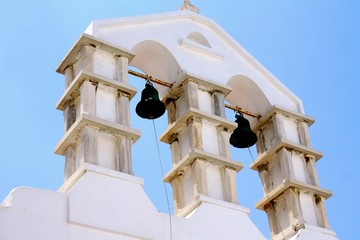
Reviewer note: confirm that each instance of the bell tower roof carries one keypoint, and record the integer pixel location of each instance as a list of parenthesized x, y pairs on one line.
[(199, 69)]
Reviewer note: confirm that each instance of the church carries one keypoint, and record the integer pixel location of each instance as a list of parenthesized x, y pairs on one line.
[(196, 71)]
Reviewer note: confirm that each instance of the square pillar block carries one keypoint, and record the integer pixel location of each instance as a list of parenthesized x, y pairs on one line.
[(200, 173), (98, 142), (307, 211)]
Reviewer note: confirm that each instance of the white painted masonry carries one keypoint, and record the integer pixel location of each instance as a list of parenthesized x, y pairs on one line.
[(100, 197)]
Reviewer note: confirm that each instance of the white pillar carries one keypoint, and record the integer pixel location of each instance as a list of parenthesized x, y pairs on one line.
[(286, 165), (96, 106), (198, 135)]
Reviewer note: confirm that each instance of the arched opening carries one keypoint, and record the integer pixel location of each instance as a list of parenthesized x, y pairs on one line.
[(145, 154), (155, 60), (248, 95)]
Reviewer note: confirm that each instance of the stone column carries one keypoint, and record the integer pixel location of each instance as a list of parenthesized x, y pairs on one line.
[(96, 106), (69, 111), (121, 69), (198, 135), (293, 199)]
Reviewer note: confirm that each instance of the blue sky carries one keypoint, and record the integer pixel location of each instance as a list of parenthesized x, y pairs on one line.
[(312, 46)]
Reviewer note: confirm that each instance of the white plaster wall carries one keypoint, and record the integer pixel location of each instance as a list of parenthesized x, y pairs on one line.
[(219, 63), (34, 214), (108, 205), (112, 204)]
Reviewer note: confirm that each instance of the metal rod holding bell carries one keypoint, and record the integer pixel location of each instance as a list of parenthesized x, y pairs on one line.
[(169, 85), (150, 78), (243, 111)]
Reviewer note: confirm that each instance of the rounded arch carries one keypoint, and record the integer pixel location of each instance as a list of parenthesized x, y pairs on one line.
[(248, 95), (156, 60)]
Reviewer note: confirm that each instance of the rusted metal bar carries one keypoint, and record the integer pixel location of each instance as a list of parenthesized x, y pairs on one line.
[(169, 85), (241, 110), (150, 78)]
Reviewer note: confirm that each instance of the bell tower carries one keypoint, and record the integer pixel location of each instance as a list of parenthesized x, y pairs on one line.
[(201, 67)]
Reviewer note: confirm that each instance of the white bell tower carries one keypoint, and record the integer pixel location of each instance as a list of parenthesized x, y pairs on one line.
[(203, 67)]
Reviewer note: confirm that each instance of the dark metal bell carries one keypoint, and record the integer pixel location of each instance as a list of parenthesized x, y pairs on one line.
[(150, 106), (243, 136)]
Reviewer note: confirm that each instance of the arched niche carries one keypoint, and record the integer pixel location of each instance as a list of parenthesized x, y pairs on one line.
[(248, 95), (156, 60), (199, 38)]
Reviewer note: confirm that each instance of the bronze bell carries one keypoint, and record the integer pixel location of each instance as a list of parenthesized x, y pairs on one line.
[(150, 106), (243, 136)]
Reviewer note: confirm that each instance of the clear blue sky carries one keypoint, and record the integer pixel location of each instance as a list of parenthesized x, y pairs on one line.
[(312, 46)]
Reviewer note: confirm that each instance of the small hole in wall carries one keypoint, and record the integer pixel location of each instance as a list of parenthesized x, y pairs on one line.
[(317, 199)]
